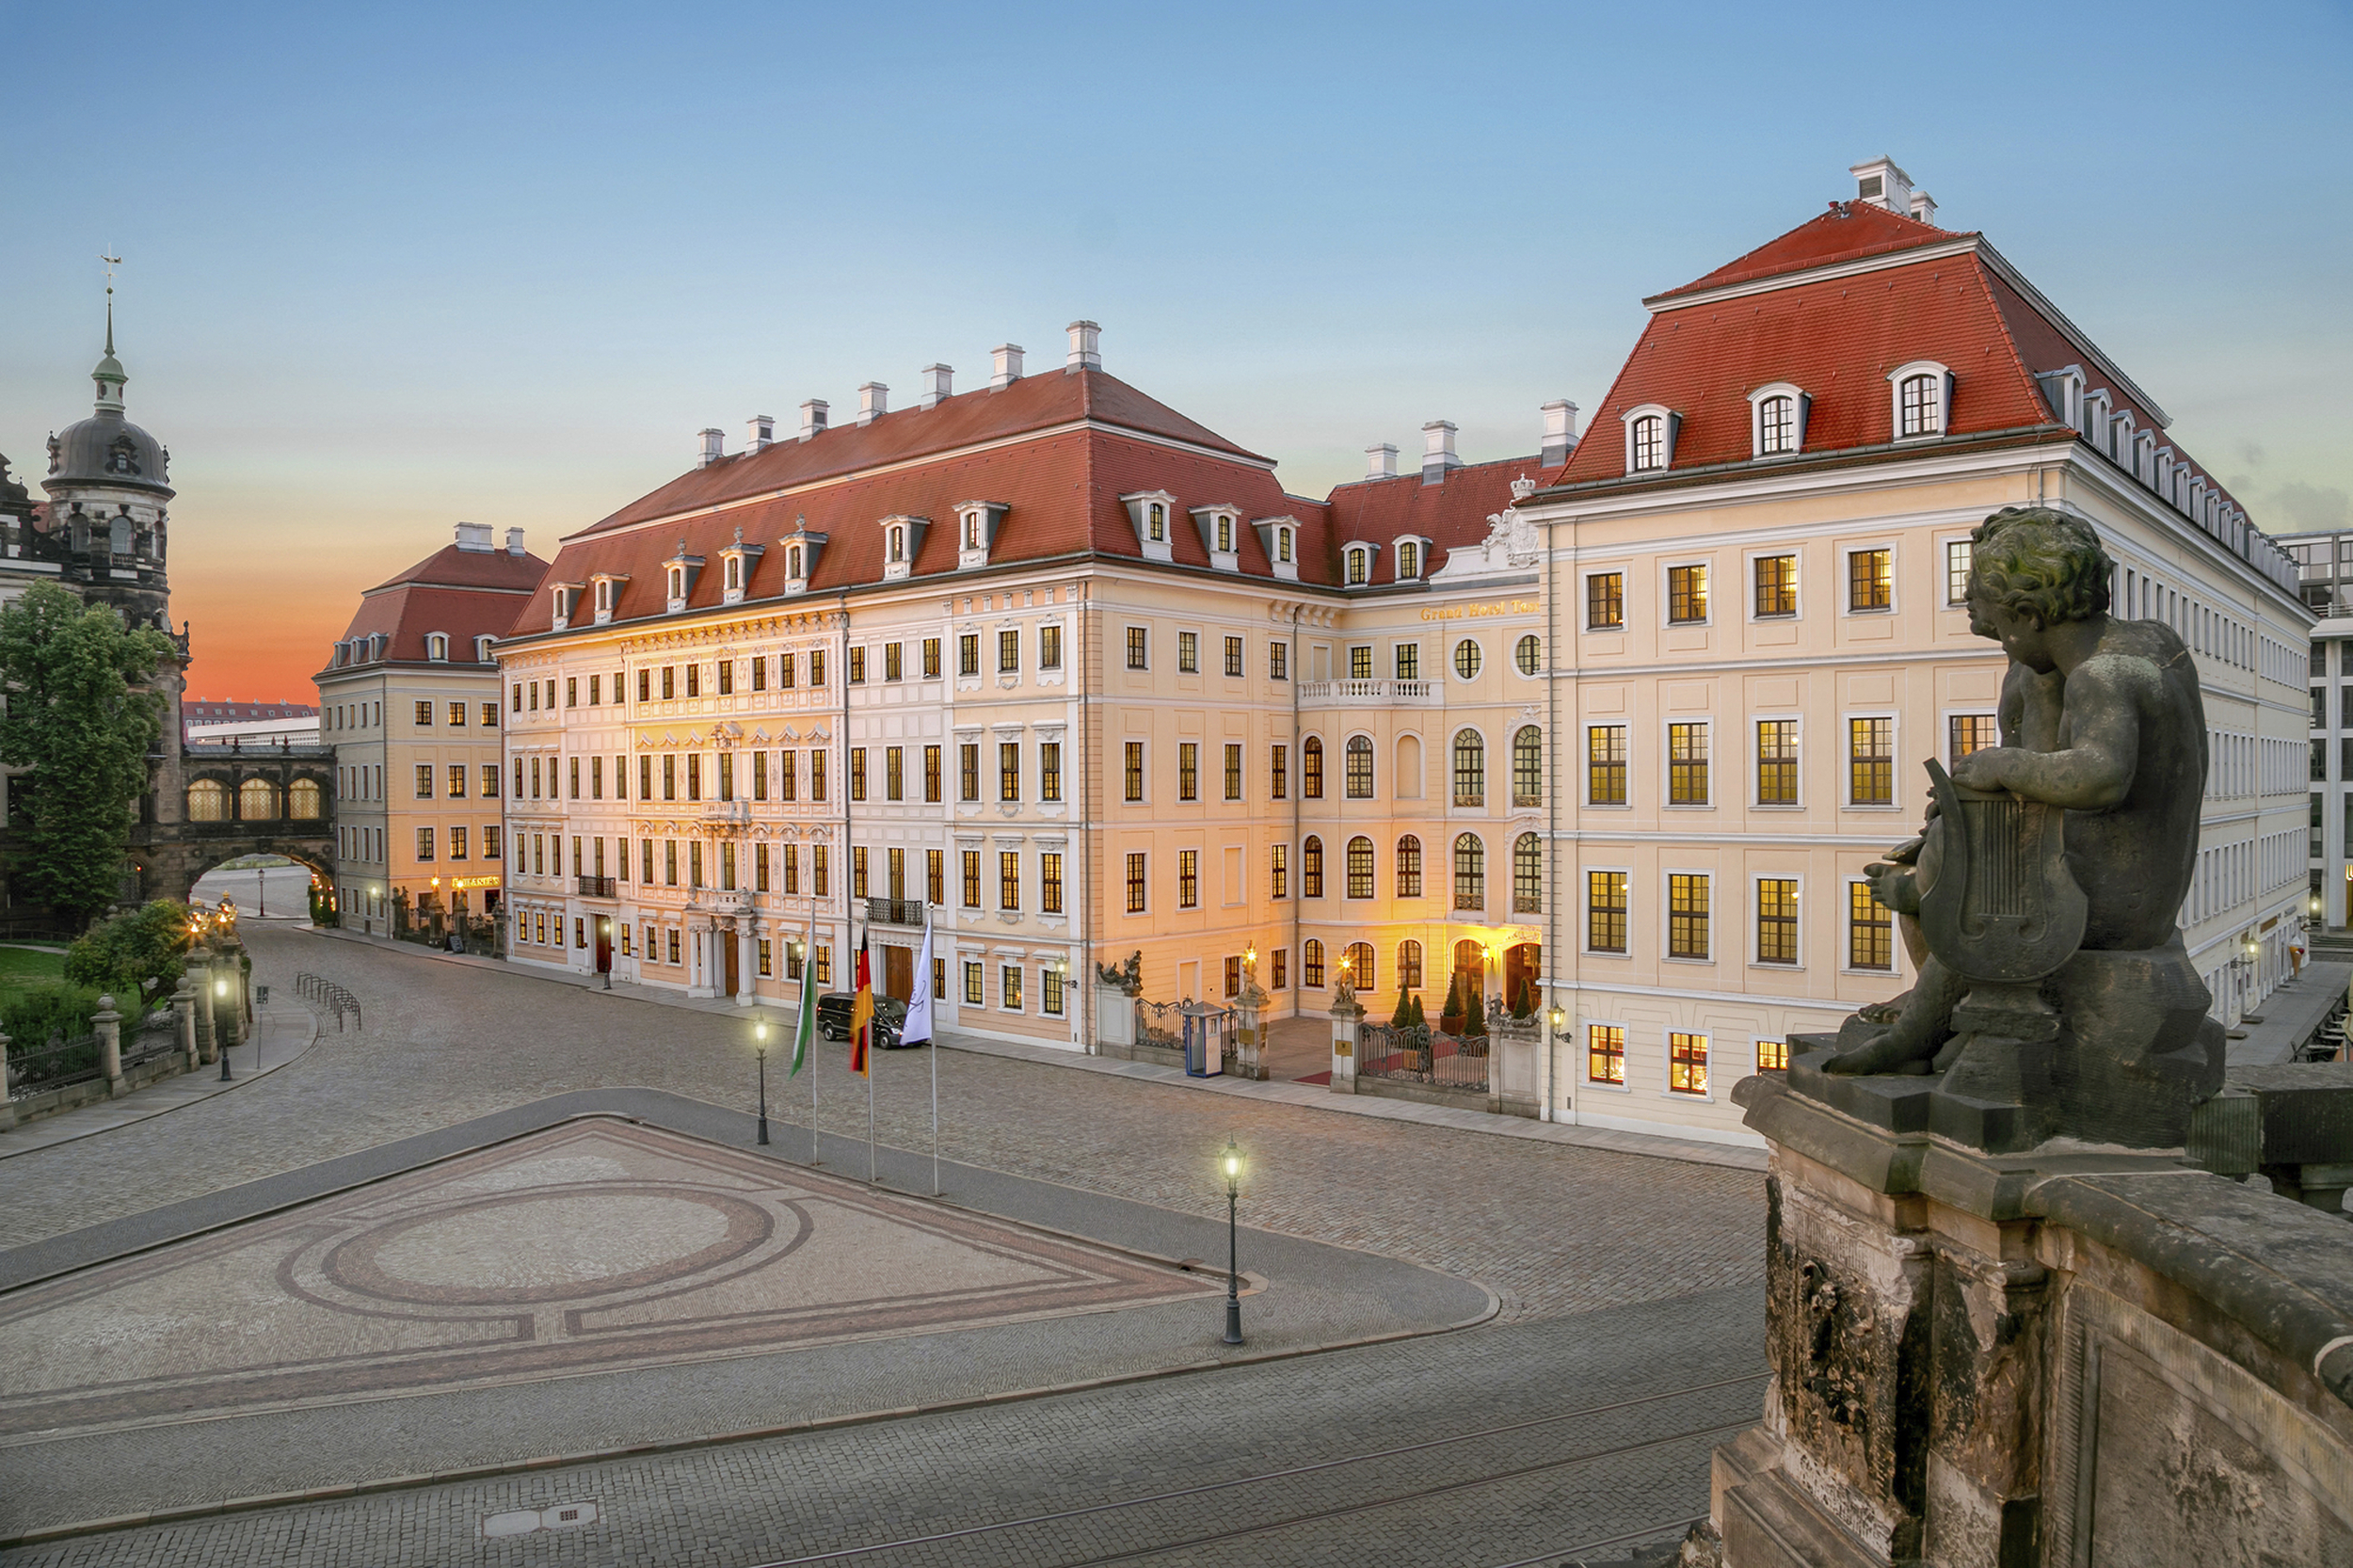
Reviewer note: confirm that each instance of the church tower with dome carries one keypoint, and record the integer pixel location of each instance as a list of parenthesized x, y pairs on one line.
[(107, 485)]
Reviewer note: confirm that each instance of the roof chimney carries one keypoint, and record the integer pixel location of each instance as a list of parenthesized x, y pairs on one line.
[(812, 417), (1083, 353), (475, 537), (939, 386), (714, 442), (1438, 450), (515, 542), (1560, 432), (1381, 460), (1880, 183), (1008, 357), (763, 433), (873, 401), (1924, 206)]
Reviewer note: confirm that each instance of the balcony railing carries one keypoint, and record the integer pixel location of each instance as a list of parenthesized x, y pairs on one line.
[(1368, 690), (896, 911), (598, 887)]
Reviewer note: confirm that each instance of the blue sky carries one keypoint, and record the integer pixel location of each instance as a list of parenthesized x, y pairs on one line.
[(390, 267)]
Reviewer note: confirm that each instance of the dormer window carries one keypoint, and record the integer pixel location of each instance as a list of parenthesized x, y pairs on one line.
[(1279, 537), (1150, 513), (803, 550), (792, 562), (1409, 559), (736, 563), (1650, 438), (1156, 529), (1283, 546), (436, 646), (977, 523), (903, 541), (1359, 565), (1923, 391), (605, 594), (735, 574), (482, 648), (1218, 527), (566, 597), (1777, 421), (1226, 533), (896, 543), (677, 590)]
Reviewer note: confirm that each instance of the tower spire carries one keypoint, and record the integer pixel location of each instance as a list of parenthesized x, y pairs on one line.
[(109, 374)]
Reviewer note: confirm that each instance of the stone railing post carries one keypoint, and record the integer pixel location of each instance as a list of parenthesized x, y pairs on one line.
[(198, 981), (7, 1106), (1346, 1018), (183, 1014), (1115, 1020), (110, 1026)]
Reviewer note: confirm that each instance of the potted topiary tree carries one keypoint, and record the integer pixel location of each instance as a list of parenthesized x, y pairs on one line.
[(1475, 1020), (1450, 1016)]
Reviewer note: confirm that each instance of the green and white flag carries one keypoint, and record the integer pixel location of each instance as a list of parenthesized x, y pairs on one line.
[(807, 1028)]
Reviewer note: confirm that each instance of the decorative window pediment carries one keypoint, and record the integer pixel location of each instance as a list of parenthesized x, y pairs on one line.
[(902, 542), (736, 560), (1650, 438), (977, 523), (1777, 414), (605, 594), (1153, 513), (1279, 538), (801, 550), (1221, 535), (677, 578)]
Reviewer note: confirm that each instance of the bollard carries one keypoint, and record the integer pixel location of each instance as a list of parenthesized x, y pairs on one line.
[(110, 1026), (1347, 1018)]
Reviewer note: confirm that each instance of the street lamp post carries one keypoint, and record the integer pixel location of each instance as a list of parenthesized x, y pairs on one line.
[(1232, 1162), (759, 1033), (220, 991)]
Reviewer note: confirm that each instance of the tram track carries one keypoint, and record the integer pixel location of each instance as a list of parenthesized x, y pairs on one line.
[(1298, 1473)]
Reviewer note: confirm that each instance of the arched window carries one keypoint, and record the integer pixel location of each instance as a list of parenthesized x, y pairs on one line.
[(1311, 867), (792, 562), (735, 570), (1409, 558), (1360, 868), (898, 543), (1224, 535), (1920, 406), (437, 648), (1311, 964), (1409, 867), (971, 530), (119, 535), (1281, 544), (1157, 525), (257, 801), (1471, 872), (1650, 442), (1470, 768), (1358, 962), (1528, 654), (1528, 876), (1528, 767), (207, 802), (304, 800), (1359, 568), (1360, 767), (1776, 425), (1311, 769), (1409, 965), (678, 582)]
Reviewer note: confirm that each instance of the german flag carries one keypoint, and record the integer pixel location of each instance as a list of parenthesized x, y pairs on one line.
[(862, 1013)]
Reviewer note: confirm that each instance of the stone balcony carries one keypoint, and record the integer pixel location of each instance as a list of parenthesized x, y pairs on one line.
[(1383, 693)]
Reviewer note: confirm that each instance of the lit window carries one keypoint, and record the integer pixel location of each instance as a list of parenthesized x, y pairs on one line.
[(1527, 766), (1959, 555), (1528, 876), (1687, 765), (1409, 869), (1189, 878), (1871, 761), (1468, 659), (1605, 1053), (1359, 568), (1311, 867), (1969, 732), (1360, 868), (1471, 872), (1776, 921), (1772, 1056), (1687, 594), (1687, 915), (1409, 965), (1311, 964), (1528, 654), (1870, 930), (1687, 1063), (1777, 762), (1359, 767), (1605, 602), (1871, 580), (1604, 764), (1470, 769), (1776, 585), (1409, 558)]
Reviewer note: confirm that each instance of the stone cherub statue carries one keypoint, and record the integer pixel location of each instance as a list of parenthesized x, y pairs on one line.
[(2039, 900)]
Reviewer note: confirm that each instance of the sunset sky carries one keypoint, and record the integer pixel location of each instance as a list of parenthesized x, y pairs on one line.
[(390, 267)]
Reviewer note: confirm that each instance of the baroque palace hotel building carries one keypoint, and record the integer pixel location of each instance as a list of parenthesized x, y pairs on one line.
[(1614, 727)]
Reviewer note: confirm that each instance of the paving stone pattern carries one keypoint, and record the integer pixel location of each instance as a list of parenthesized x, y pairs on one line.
[(1519, 1443), (1551, 1229)]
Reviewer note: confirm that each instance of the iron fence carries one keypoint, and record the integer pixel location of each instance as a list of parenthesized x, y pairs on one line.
[(1160, 1024), (55, 1065), (159, 1034), (1419, 1054)]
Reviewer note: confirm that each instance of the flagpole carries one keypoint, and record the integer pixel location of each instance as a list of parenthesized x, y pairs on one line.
[(931, 1045), (870, 1069), (808, 967)]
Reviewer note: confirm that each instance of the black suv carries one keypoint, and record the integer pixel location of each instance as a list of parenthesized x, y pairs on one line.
[(833, 1017)]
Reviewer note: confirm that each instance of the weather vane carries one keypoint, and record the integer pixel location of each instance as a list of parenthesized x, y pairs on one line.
[(112, 262)]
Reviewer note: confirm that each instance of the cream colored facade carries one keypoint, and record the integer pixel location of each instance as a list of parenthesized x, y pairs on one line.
[(1038, 662), (417, 776), (1827, 668)]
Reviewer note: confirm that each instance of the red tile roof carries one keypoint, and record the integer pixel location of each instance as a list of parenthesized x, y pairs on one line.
[(1031, 404), (463, 593), (1453, 514), (1849, 231)]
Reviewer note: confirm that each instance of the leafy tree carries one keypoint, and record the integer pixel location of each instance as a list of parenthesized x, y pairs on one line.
[(77, 725), (123, 954)]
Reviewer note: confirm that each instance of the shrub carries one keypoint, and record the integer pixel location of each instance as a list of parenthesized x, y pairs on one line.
[(31, 1018), (1453, 1008), (1417, 1020), (1476, 1024), (123, 954)]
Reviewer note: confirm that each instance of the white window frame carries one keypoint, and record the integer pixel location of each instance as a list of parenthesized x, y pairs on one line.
[(1421, 558), (1666, 595), (1895, 760), (1755, 908), (1848, 549), (1584, 907), (1748, 587), (1801, 404), (1666, 762), (1755, 775), (1896, 379), (1945, 543), (1666, 915), (1895, 969), (1350, 558), (436, 646), (1668, 425)]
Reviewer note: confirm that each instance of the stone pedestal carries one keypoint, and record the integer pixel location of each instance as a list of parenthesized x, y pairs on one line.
[(1115, 1019), (183, 1014), (2080, 1354), (108, 1025), (1346, 1018)]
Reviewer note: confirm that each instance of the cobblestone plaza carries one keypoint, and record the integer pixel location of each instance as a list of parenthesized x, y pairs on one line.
[(1620, 1330)]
